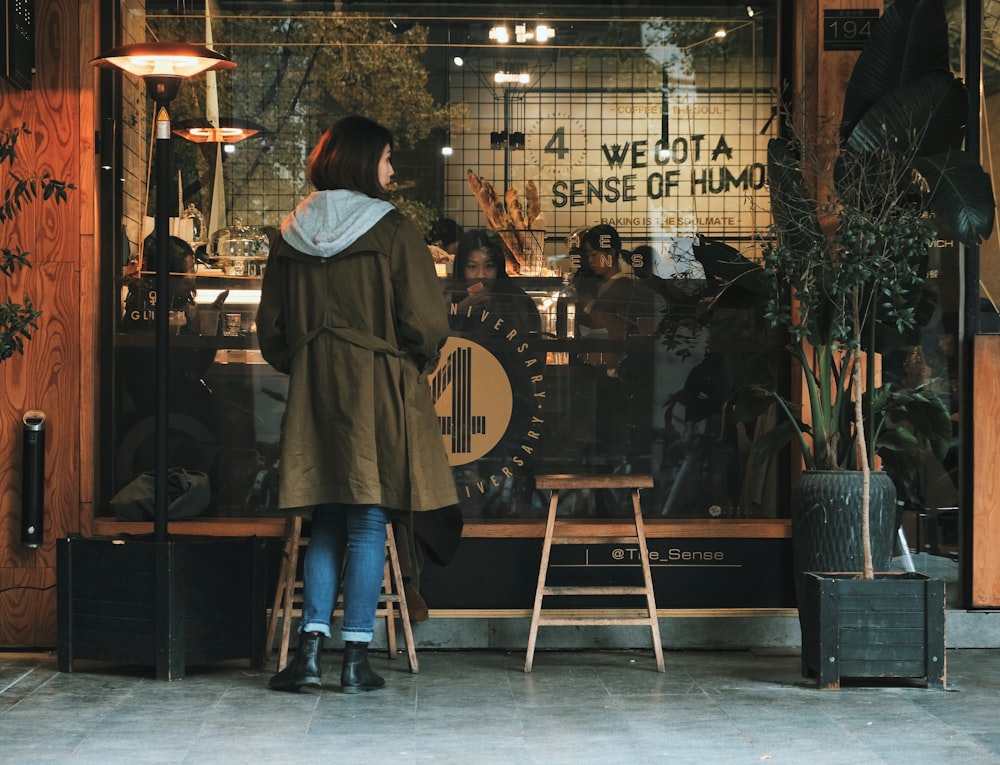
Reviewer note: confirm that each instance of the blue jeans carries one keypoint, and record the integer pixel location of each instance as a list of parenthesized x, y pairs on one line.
[(346, 542)]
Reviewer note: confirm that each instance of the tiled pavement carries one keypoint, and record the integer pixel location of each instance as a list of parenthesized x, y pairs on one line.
[(479, 707)]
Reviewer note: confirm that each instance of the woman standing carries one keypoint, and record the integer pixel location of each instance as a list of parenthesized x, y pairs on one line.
[(351, 310)]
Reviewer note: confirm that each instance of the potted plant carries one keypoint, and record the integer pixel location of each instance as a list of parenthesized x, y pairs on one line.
[(855, 209)]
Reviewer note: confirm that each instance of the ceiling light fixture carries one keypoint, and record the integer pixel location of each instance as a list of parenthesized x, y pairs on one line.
[(500, 34), (522, 34), (516, 78), (720, 34)]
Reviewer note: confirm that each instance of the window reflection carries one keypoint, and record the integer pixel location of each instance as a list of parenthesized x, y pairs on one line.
[(653, 127)]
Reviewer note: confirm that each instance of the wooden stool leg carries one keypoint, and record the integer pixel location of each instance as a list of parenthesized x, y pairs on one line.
[(290, 579), (279, 590), (543, 568), (654, 624), (285, 592), (394, 579), (386, 600), (389, 606)]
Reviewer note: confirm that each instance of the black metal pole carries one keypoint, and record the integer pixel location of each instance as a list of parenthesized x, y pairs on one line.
[(161, 392), (970, 311)]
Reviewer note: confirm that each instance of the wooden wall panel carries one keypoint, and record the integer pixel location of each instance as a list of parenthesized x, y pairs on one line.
[(56, 372), (28, 607), (831, 69), (986, 455), (88, 264), (818, 81), (819, 77)]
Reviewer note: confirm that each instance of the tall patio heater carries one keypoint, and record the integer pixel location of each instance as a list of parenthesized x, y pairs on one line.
[(167, 602), (163, 66)]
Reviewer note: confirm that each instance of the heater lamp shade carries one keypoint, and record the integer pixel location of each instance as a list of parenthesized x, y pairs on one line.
[(163, 59), (228, 130)]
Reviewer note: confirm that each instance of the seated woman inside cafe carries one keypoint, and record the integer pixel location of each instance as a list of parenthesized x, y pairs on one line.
[(481, 283), (482, 297)]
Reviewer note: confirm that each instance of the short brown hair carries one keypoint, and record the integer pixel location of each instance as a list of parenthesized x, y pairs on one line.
[(348, 155)]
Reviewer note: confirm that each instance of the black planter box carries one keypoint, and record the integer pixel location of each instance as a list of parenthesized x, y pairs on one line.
[(889, 627), (168, 605)]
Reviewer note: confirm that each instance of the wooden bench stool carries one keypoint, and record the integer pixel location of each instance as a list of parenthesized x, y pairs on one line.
[(288, 596), (593, 533)]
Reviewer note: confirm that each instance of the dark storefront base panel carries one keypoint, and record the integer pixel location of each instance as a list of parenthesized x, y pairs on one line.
[(687, 573)]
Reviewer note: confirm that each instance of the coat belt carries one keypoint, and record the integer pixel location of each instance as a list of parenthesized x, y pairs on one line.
[(355, 337)]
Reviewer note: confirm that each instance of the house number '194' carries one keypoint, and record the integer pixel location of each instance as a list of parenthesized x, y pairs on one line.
[(847, 29)]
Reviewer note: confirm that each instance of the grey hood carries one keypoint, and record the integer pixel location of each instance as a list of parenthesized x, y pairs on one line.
[(328, 222)]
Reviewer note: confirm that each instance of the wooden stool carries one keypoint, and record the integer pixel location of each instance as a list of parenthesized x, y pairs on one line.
[(288, 596), (557, 483)]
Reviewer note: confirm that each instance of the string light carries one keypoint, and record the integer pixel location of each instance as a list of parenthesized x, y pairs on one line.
[(541, 33), (520, 78)]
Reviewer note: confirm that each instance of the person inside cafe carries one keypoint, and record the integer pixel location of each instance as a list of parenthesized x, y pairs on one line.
[(481, 283), (622, 307), (190, 394), (481, 288), (446, 234)]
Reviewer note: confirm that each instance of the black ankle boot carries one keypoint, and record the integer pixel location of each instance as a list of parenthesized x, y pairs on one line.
[(304, 669), (356, 674)]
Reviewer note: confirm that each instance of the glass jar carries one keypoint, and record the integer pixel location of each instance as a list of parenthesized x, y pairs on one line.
[(239, 250), (197, 230)]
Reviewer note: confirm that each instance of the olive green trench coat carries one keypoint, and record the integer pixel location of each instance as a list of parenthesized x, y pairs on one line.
[(358, 334)]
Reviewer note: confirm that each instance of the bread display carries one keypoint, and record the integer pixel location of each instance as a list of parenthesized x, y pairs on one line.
[(533, 202), (493, 209), (514, 209), (508, 217)]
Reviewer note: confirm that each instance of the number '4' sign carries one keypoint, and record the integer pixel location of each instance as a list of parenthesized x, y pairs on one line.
[(557, 143)]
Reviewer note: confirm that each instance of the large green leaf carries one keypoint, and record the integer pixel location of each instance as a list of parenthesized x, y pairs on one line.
[(910, 39), (924, 116), (725, 263), (961, 194), (908, 421)]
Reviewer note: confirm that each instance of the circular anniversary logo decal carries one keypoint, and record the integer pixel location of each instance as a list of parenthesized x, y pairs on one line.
[(489, 395)]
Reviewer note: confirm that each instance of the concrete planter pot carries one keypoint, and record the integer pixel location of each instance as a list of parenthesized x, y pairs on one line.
[(826, 520)]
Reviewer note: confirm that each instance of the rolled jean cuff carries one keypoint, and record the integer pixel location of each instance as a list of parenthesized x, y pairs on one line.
[(357, 636), (317, 627)]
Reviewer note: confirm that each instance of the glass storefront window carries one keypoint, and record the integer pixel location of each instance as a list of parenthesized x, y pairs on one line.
[(989, 253), (655, 127)]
